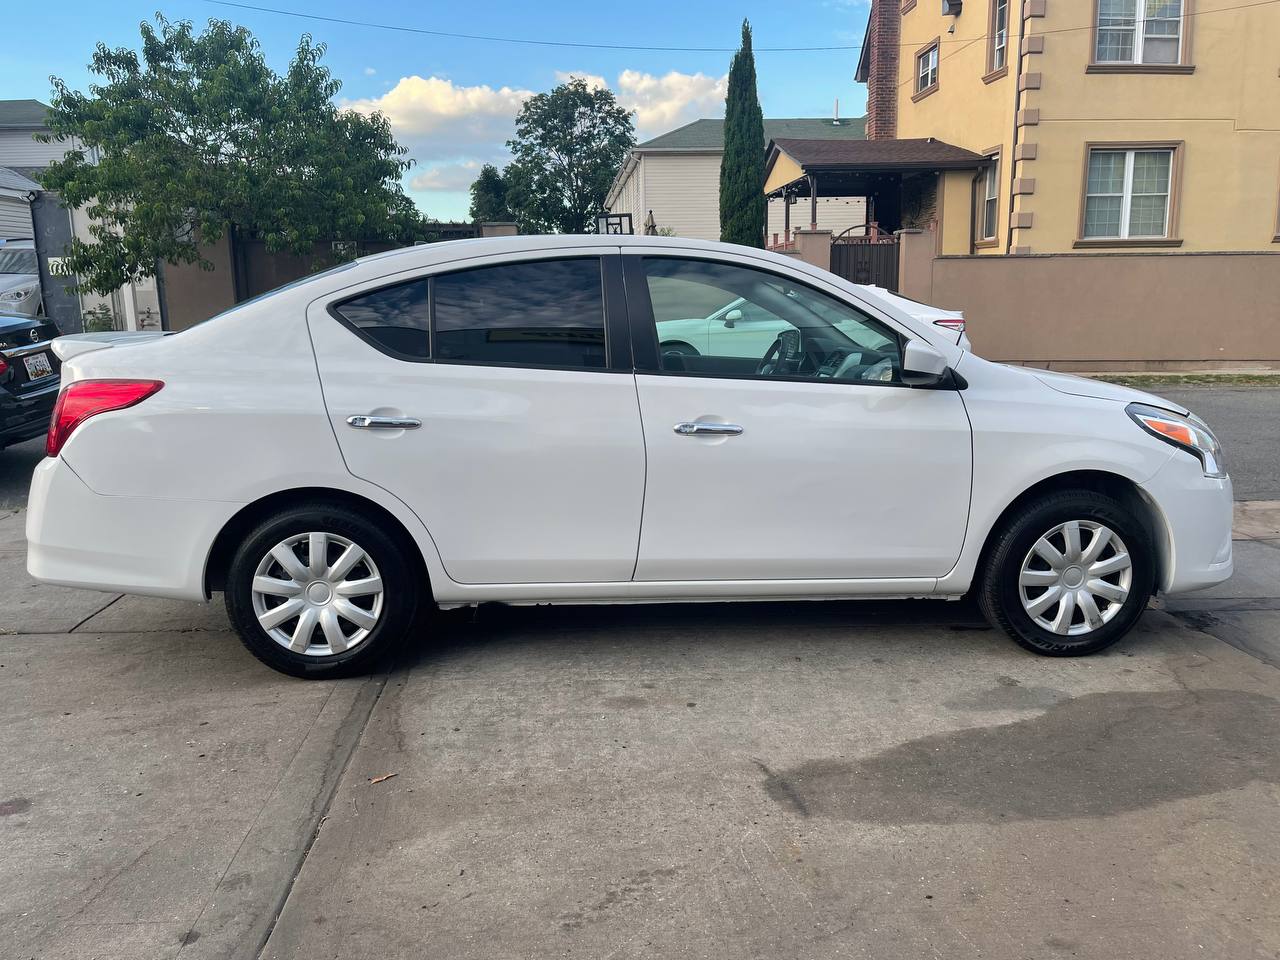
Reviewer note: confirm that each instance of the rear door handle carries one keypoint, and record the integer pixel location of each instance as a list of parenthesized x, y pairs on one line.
[(365, 422), (693, 428)]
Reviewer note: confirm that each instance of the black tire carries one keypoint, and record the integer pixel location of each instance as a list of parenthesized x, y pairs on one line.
[(404, 589), (998, 586), (680, 348)]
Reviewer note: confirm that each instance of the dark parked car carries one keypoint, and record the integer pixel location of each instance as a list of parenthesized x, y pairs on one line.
[(28, 377)]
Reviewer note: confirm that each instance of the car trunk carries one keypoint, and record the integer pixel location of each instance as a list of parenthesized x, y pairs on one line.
[(33, 366)]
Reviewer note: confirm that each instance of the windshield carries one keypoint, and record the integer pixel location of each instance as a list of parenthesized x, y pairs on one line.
[(18, 261)]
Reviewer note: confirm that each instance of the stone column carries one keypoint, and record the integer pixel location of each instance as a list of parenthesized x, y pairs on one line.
[(814, 246), (915, 263)]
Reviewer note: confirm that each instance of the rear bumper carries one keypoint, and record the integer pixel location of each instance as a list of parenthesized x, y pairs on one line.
[(142, 545), (26, 416), (1196, 514)]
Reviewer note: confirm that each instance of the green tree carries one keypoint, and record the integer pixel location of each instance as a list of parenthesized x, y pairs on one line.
[(569, 145), (742, 201), (489, 196), (196, 137)]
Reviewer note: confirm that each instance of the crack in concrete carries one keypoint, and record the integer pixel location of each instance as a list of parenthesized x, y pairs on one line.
[(354, 726)]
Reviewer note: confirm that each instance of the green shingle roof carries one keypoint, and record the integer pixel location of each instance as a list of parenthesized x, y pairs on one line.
[(709, 134), (23, 113)]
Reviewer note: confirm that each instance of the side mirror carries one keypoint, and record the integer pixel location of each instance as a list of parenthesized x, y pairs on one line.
[(922, 364), (732, 317)]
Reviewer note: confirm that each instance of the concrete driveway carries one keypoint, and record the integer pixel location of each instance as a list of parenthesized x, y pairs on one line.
[(725, 781)]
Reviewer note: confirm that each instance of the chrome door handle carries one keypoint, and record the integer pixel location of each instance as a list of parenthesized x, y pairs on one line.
[(364, 422), (692, 428)]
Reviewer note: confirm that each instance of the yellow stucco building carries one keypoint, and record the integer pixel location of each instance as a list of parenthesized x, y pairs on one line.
[(1111, 124), (1127, 212)]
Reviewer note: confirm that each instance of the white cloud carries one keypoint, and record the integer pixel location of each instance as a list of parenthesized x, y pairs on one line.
[(663, 102), (446, 176), (439, 120), (369, 71), (451, 130)]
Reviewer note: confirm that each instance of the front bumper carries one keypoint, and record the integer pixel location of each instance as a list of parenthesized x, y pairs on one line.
[(25, 416), (143, 545), (1195, 513)]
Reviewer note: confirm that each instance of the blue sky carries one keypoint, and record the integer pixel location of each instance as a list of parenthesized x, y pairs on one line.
[(452, 102)]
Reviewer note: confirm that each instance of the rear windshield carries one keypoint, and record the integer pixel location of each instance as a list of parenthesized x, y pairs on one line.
[(18, 261)]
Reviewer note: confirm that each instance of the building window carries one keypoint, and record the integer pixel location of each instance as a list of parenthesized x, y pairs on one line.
[(999, 35), (1128, 194), (1139, 31), (990, 217), (927, 69)]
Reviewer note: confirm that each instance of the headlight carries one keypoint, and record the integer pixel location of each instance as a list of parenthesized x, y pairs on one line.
[(1187, 433), (16, 295)]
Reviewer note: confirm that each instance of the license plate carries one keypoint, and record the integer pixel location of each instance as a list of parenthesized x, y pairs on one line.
[(38, 366)]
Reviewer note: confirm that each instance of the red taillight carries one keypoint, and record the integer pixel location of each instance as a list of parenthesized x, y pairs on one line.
[(956, 324), (4, 366), (87, 398)]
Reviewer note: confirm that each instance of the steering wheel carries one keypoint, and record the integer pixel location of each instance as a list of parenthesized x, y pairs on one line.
[(785, 355)]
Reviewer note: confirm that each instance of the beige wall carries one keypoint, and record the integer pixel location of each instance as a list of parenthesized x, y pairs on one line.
[(965, 110), (1225, 112), (1100, 311), (192, 294)]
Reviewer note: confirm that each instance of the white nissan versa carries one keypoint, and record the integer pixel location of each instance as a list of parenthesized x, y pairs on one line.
[(497, 420)]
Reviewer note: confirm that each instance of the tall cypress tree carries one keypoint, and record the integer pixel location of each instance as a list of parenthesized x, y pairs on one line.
[(742, 202)]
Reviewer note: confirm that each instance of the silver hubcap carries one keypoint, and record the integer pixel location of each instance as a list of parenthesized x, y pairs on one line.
[(317, 594), (1075, 578)]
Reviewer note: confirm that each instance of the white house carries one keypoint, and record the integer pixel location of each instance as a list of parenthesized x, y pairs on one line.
[(135, 305), (677, 177), (16, 194)]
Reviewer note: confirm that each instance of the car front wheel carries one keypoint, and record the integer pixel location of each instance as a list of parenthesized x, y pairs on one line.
[(1069, 575), (319, 591)]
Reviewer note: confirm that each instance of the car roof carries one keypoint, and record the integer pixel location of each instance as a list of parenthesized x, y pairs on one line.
[(455, 254)]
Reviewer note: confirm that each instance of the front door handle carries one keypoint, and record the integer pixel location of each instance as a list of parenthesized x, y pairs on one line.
[(365, 422), (693, 428)]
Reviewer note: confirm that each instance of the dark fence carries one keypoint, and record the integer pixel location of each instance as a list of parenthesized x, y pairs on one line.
[(860, 261)]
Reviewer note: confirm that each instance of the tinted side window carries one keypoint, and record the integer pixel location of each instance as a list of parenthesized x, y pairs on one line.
[(545, 313), (394, 318), (731, 321)]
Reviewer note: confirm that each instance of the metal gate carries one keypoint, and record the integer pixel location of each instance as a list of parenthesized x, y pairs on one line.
[(872, 258)]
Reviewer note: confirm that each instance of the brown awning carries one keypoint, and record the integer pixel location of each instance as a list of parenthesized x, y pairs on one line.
[(924, 153)]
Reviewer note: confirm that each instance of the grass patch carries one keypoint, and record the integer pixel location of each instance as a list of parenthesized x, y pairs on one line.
[(1193, 379)]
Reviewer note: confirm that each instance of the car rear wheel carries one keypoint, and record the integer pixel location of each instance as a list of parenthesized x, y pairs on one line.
[(319, 591), (1069, 575)]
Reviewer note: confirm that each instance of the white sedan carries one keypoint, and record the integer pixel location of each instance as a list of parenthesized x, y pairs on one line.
[(496, 420)]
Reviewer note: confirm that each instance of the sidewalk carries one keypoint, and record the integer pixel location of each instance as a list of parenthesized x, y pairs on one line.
[(722, 780)]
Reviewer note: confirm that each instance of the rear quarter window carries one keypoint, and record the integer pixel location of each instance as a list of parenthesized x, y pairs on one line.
[(396, 318), (543, 313)]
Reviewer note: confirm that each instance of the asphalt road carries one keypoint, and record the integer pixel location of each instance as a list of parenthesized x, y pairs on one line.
[(16, 464), (819, 780), (1245, 419), (713, 781)]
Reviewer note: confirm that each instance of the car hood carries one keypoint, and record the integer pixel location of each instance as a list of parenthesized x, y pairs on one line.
[(1101, 390), (9, 281)]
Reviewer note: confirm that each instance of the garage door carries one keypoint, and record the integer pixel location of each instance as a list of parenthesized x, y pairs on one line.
[(15, 218)]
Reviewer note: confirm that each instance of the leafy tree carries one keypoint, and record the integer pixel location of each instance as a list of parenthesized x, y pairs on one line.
[(196, 137), (742, 201), (489, 196), (569, 145)]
